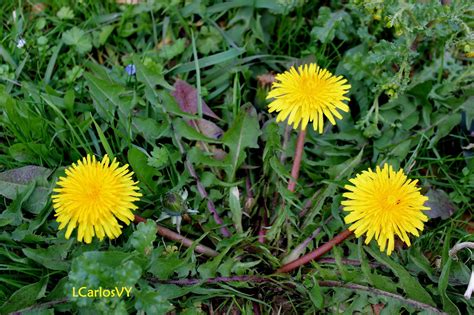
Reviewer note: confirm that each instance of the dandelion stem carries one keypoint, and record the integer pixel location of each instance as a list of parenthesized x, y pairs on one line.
[(295, 170), (315, 254), (169, 234)]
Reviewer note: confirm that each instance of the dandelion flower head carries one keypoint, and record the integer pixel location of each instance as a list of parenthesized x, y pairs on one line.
[(307, 94), (383, 204), (92, 196)]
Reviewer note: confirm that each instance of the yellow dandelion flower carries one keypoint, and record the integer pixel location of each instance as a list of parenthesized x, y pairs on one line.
[(306, 95), (383, 204), (92, 196)]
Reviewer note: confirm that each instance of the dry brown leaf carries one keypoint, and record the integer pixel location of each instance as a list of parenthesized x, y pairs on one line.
[(38, 7), (187, 98), (265, 80)]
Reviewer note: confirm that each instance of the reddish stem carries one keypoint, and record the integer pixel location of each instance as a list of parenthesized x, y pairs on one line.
[(295, 170), (263, 224), (315, 254), (187, 281), (210, 205), (169, 234)]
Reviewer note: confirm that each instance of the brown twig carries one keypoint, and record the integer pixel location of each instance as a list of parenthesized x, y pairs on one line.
[(295, 170), (169, 234), (315, 254), (298, 250), (353, 286)]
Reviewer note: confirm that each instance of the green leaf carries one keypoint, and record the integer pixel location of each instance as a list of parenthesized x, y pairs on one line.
[(208, 40), (374, 279), (409, 284), (159, 157), (139, 162), (142, 239), (401, 150), (316, 295), (151, 74), (105, 94), (15, 181), (242, 134), (105, 33), (448, 305), (52, 257), (65, 13), (235, 208), (168, 52), (188, 132), (445, 123), (342, 170), (80, 40), (150, 128), (25, 296), (163, 267), (152, 302), (330, 24)]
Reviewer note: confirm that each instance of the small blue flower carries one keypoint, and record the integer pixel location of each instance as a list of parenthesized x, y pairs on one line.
[(21, 43), (131, 69)]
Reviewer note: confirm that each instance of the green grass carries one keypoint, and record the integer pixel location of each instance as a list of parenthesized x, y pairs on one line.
[(66, 94)]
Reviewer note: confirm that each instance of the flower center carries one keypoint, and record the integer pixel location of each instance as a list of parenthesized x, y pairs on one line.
[(392, 200), (93, 192)]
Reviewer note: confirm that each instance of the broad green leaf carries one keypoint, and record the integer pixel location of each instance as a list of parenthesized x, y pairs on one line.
[(243, 134), (139, 162), (152, 302), (188, 132), (52, 257), (105, 33), (105, 95), (151, 74), (150, 128), (13, 215), (15, 181), (445, 123), (164, 266), (79, 39), (448, 305), (378, 281), (58, 291), (316, 295), (170, 51), (65, 13), (25, 296), (408, 283), (142, 239)]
